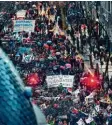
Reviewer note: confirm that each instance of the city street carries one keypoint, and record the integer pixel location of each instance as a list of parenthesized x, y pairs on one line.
[(55, 63)]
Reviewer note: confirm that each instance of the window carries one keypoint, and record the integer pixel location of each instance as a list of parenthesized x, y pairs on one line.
[(109, 6)]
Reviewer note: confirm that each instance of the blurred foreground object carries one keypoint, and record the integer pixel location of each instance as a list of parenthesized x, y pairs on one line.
[(15, 106)]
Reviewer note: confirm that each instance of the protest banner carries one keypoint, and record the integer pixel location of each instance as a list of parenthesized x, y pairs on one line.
[(57, 80), (21, 14), (63, 117), (50, 98), (24, 25)]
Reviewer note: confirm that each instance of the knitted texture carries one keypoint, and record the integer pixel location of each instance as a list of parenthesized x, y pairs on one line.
[(15, 108)]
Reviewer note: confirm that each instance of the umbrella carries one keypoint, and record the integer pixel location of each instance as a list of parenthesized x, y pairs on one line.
[(54, 45), (95, 49), (61, 39), (41, 59), (56, 67), (38, 91), (54, 57), (55, 105), (49, 42), (62, 46), (52, 51), (46, 46), (24, 50), (101, 47), (58, 53), (34, 6), (39, 43), (28, 39), (50, 58), (62, 67), (68, 66), (17, 55)]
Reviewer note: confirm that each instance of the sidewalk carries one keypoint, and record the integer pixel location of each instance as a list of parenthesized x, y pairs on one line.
[(87, 62), (102, 68)]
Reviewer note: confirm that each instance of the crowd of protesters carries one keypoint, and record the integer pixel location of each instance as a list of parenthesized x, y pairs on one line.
[(49, 51)]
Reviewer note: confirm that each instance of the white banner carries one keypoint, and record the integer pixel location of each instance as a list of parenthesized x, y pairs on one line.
[(57, 80), (24, 25), (50, 98), (21, 14)]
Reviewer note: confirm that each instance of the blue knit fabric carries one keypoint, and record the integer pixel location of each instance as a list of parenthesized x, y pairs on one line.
[(15, 108)]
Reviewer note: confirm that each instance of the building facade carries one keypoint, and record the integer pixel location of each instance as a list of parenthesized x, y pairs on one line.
[(105, 14), (103, 10)]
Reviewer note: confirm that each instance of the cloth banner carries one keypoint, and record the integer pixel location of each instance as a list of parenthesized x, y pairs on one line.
[(57, 80), (50, 98), (24, 25), (21, 14)]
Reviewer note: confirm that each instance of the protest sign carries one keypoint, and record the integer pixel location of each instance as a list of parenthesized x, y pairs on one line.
[(27, 58), (24, 25), (80, 122), (90, 98), (63, 117), (21, 14), (89, 120), (57, 80), (50, 98)]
